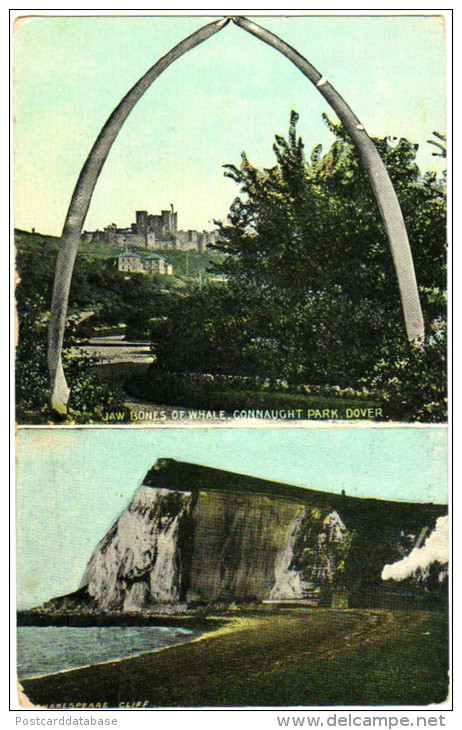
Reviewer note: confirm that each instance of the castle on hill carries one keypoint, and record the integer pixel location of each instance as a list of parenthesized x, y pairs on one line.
[(154, 231)]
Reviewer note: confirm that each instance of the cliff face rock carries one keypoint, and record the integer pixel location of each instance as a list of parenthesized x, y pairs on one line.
[(238, 538), (139, 559), (192, 533)]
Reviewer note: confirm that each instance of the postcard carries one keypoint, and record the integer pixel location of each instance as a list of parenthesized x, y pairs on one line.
[(232, 567), (229, 220), (231, 361)]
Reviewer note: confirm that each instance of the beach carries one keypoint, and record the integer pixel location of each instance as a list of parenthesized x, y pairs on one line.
[(291, 657)]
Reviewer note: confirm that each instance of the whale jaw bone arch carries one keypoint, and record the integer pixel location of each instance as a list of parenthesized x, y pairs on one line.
[(78, 208)]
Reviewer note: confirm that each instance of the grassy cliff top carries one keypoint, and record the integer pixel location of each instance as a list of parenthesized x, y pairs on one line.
[(184, 476)]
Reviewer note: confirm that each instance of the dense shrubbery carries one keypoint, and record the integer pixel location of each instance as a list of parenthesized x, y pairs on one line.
[(224, 393), (96, 285), (89, 397), (311, 294), (411, 380), (32, 385)]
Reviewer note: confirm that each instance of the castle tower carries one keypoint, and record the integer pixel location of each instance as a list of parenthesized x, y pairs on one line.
[(174, 219), (141, 221)]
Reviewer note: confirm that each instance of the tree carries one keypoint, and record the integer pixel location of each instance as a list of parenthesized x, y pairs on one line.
[(311, 296), (307, 235)]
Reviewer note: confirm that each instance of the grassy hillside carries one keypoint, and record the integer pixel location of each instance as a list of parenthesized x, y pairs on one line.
[(187, 265), (36, 242), (115, 298), (181, 475)]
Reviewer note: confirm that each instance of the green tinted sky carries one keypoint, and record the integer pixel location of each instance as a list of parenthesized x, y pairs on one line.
[(73, 483), (229, 94)]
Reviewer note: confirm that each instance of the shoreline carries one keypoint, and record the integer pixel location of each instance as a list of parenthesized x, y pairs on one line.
[(311, 658), (31, 618), (224, 628)]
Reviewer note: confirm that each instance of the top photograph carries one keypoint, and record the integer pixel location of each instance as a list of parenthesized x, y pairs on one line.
[(230, 220)]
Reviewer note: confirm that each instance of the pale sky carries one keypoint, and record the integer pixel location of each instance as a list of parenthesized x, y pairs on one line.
[(230, 94), (73, 483)]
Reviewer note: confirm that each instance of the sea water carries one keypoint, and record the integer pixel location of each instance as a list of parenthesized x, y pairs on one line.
[(47, 649)]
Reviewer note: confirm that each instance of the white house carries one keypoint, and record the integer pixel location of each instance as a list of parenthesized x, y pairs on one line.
[(130, 261), (155, 264)]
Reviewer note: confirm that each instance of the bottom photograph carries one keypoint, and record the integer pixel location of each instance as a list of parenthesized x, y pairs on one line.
[(215, 567)]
